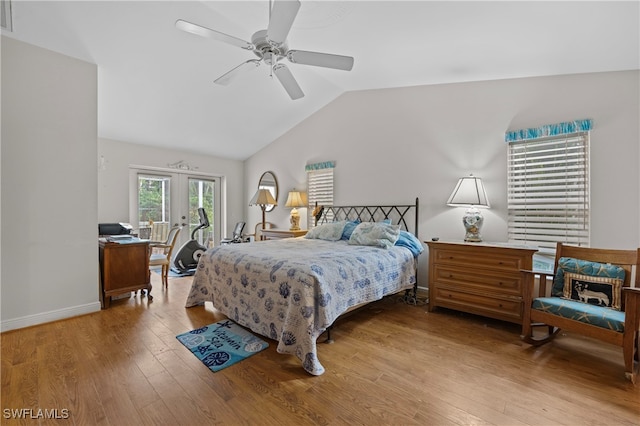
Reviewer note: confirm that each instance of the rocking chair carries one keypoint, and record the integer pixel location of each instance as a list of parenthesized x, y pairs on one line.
[(591, 294)]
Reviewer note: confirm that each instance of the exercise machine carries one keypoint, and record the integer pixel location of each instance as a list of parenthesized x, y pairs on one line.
[(189, 254), (236, 237)]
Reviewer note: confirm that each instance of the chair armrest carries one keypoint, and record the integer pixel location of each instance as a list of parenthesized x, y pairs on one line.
[(631, 308), (528, 282), (635, 291)]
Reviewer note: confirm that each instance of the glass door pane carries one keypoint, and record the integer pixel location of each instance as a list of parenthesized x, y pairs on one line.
[(202, 194), (154, 201)]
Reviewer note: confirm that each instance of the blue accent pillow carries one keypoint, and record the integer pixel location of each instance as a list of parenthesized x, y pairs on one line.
[(408, 240), (583, 267), (348, 229), (375, 234)]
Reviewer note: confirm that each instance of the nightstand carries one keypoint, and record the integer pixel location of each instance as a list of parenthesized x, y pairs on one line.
[(278, 234), (478, 278)]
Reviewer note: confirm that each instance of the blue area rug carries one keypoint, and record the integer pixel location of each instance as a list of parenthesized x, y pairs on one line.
[(173, 272), (221, 344)]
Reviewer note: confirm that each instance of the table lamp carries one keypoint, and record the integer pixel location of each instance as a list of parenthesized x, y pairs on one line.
[(470, 193), (295, 199)]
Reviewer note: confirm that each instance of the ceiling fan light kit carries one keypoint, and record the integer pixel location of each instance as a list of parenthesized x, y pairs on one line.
[(270, 46)]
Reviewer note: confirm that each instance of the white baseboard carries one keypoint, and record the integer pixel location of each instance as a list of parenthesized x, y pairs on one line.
[(44, 317)]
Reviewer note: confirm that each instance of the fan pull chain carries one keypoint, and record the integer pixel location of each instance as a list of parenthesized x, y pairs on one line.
[(273, 64)]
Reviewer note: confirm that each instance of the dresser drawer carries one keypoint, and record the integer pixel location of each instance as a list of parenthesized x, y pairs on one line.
[(498, 281), (493, 259), (508, 309)]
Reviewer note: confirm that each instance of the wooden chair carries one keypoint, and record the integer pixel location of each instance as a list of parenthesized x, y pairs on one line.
[(548, 309), (257, 236), (161, 253), (159, 232)]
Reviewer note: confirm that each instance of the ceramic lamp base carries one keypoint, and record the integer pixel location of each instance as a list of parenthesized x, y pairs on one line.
[(472, 221), (295, 220)]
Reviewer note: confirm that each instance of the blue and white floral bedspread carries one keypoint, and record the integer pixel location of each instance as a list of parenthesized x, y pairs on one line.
[(291, 290)]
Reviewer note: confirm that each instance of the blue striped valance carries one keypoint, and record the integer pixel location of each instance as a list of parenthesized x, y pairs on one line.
[(320, 166), (548, 130)]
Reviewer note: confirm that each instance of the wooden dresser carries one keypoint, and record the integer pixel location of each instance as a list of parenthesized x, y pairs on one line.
[(479, 278), (278, 234)]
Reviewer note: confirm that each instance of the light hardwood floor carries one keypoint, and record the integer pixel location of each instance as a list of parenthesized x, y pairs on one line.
[(390, 364)]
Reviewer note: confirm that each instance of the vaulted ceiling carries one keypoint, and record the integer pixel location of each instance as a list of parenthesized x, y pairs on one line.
[(155, 82)]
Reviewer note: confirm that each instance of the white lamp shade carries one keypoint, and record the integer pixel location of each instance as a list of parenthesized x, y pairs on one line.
[(296, 199), (263, 197), (469, 192)]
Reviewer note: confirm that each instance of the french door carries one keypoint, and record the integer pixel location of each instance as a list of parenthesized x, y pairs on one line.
[(165, 198)]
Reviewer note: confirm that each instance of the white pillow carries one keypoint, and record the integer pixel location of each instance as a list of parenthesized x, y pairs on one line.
[(381, 235), (328, 231)]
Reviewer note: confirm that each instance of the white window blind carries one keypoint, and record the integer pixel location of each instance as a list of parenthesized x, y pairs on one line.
[(548, 190), (319, 187)]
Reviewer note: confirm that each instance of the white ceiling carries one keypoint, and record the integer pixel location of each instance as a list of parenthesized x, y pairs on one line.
[(155, 83)]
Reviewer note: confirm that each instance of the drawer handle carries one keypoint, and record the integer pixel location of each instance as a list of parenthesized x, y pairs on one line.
[(500, 283), (450, 275)]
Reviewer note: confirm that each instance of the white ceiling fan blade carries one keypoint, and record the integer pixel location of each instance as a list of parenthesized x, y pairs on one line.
[(283, 14), (213, 34), (317, 59), (288, 81), (240, 69)]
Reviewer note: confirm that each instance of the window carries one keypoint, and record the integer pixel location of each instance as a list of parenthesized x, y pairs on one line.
[(548, 185), (319, 187)]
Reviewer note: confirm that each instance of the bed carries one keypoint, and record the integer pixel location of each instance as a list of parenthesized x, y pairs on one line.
[(292, 290)]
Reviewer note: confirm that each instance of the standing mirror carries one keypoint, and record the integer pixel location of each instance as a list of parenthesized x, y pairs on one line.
[(268, 181)]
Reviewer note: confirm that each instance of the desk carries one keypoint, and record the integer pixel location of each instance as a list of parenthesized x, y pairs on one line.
[(124, 267)]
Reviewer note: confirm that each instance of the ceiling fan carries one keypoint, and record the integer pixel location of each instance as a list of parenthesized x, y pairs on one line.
[(270, 46)]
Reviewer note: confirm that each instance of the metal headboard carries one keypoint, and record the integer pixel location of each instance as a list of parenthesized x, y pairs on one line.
[(401, 214)]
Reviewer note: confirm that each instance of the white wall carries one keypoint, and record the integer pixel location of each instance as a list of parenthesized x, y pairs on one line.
[(115, 157), (49, 182), (393, 145)]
